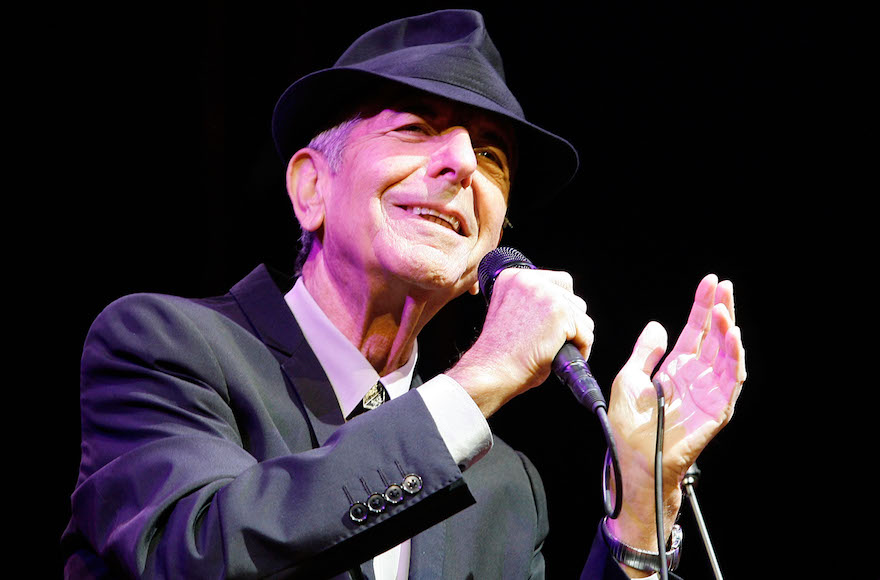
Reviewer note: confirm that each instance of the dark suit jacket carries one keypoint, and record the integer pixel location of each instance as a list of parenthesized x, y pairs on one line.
[(213, 446)]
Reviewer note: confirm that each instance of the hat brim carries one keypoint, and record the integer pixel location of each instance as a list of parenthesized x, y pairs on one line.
[(547, 162)]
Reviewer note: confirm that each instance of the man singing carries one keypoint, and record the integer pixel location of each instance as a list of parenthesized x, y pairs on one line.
[(282, 430)]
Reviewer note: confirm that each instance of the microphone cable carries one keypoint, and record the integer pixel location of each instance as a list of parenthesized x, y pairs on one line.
[(611, 510), (658, 480)]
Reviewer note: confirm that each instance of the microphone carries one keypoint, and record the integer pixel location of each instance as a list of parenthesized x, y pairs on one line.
[(569, 365)]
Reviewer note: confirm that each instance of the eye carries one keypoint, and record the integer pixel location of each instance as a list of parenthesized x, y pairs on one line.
[(419, 128), (493, 165), (491, 155)]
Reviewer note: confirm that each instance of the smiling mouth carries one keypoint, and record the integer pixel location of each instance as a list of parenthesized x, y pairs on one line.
[(437, 217)]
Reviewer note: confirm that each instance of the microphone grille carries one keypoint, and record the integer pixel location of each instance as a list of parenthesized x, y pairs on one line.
[(494, 262)]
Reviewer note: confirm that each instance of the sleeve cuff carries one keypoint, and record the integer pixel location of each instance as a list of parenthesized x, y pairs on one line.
[(458, 419)]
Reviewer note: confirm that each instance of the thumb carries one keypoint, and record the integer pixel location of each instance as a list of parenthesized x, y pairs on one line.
[(649, 349)]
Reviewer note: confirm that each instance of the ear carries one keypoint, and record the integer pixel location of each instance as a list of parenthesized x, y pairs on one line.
[(304, 185)]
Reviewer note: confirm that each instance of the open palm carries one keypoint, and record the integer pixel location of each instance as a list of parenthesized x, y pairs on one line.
[(701, 379)]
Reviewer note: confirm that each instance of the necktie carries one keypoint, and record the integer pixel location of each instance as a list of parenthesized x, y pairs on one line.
[(374, 397)]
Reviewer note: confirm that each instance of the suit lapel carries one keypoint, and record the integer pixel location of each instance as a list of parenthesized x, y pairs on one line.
[(262, 302), (313, 388)]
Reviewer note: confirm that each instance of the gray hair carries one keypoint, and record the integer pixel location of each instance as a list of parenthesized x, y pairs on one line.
[(331, 144)]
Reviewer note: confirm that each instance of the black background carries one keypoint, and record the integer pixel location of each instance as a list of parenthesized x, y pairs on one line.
[(714, 137)]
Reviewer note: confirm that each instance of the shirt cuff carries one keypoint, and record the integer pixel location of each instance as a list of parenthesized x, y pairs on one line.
[(459, 420)]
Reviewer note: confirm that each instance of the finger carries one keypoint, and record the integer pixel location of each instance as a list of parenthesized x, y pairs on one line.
[(585, 334), (700, 317), (736, 354), (736, 367), (534, 278), (579, 328), (583, 324), (649, 348), (724, 295), (576, 302), (561, 279), (715, 337)]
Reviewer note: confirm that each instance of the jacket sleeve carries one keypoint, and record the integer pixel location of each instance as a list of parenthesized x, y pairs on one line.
[(182, 474)]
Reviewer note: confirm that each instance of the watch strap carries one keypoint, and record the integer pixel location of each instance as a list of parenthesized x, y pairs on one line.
[(642, 559)]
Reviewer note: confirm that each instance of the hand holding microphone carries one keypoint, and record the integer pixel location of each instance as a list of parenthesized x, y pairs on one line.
[(569, 364), (530, 316)]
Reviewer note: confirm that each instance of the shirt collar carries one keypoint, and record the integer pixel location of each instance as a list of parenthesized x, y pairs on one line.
[(349, 372)]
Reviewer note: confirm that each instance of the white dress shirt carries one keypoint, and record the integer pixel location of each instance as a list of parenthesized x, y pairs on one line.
[(458, 419)]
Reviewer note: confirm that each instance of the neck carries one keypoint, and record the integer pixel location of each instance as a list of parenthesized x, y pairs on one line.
[(382, 320)]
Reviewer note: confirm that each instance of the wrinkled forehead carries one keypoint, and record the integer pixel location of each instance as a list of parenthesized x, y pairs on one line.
[(491, 128)]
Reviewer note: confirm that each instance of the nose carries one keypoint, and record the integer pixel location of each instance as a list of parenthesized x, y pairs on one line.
[(454, 159)]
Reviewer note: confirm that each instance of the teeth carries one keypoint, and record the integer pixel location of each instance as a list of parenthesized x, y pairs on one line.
[(427, 211)]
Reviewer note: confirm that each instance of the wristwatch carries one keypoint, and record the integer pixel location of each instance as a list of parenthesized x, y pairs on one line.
[(641, 559)]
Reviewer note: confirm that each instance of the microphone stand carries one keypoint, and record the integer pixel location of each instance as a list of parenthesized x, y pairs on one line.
[(689, 484)]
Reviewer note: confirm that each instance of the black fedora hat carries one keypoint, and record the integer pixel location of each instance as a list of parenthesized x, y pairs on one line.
[(446, 53)]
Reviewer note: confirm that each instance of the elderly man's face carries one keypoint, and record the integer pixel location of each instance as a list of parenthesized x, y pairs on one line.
[(421, 194)]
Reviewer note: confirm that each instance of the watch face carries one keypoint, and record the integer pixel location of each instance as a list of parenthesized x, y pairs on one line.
[(673, 556), (676, 537)]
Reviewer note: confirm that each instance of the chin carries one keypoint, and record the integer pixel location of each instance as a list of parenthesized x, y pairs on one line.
[(430, 268)]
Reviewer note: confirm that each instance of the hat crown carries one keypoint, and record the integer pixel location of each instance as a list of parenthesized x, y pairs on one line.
[(427, 32), (448, 46)]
